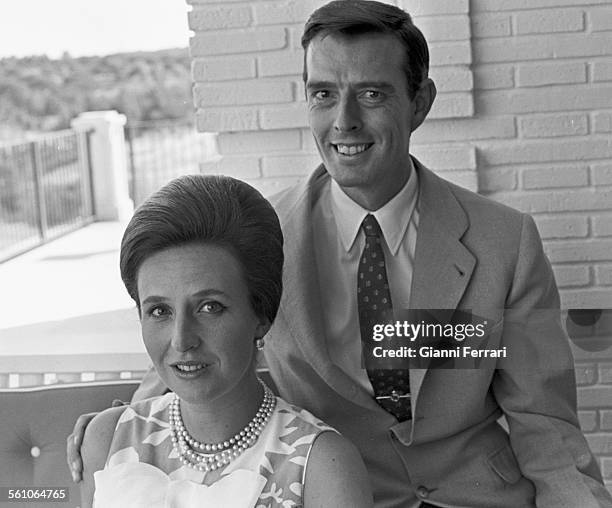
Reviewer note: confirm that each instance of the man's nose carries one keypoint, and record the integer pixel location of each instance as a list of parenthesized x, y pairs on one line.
[(186, 333), (348, 116)]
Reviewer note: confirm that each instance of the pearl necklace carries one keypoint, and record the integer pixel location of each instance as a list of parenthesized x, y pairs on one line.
[(210, 456)]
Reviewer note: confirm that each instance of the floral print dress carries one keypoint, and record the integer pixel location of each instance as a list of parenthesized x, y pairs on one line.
[(143, 469)]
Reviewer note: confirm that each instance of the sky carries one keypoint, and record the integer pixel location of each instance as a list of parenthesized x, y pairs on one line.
[(91, 27)]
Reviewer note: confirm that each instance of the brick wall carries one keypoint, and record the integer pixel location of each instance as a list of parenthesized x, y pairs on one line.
[(524, 117)]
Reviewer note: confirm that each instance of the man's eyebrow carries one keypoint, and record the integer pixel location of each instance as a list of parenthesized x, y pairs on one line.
[(381, 85), (320, 84)]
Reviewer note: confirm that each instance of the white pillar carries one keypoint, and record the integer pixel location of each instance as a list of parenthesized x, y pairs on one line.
[(109, 168)]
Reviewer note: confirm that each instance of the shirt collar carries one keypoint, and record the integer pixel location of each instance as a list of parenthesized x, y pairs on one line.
[(393, 216)]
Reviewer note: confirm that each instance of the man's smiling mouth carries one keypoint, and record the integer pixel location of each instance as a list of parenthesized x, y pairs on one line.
[(351, 149)]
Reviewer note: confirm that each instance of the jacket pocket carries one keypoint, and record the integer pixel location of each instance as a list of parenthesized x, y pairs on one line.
[(504, 463)]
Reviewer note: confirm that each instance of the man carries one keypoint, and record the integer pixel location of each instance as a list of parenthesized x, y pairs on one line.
[(373, 231)]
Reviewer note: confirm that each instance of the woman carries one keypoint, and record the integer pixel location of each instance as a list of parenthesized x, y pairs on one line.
[(202, 258)]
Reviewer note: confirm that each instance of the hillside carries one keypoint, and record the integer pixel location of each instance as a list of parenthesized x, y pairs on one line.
[(42, 94)]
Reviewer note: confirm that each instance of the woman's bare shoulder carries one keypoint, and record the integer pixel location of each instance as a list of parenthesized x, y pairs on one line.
[(335, 474)]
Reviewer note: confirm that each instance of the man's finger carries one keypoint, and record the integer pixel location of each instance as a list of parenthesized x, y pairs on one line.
[(73, 446)]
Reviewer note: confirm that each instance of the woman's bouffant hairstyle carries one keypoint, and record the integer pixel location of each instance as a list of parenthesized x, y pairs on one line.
[(357, 17), (215, 210)]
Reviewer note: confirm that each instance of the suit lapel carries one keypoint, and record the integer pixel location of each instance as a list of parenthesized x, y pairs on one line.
[(443, 265), (301, 292)]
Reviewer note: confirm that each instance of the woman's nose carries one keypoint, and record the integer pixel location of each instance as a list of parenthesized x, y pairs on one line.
[(186, 334), (348, 117)]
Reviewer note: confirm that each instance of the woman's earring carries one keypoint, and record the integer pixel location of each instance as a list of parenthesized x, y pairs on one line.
[(259, 343)]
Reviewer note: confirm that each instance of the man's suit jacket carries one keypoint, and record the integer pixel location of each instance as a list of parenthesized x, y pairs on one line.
[(473, 254)]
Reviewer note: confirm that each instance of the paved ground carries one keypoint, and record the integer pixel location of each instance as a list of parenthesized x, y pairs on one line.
[(65, 290)]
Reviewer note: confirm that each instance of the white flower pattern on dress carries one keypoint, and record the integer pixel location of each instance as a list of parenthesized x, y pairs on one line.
[(278, 457)]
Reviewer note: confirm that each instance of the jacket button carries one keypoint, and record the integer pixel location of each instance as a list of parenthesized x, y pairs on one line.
[(422, 492), (35, 452)]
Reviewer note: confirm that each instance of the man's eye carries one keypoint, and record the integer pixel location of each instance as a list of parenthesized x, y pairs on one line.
[(321, 95), (212, 307), (372, 94)]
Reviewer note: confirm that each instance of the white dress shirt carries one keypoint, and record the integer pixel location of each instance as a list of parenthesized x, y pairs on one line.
[(338, 245)]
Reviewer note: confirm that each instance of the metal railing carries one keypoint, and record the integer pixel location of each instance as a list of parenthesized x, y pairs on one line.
[(45, 190), (159, 151)]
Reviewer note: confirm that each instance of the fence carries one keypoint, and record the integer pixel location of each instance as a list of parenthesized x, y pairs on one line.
[(45, 190), (160, 151)]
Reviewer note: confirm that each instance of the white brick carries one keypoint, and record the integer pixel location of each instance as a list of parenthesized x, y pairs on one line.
[(602, 225), (572, 276), (586, 299), (497, 153), (492, 77), (601, 19), (550, 74), (602, 121), (226, 119), (572, 200), (238, 41), (603, 275), (588, 420), (219, 17), (541, 47), (602, 71), (283, 117), (295, 36), (444, 28), (290, 165), (222, 69), (434, 7), (546, 126), (445, 53), (278, 13), (550, 178), (258, 141), (515, 5), (578, 251), (491, 25), (271, 186), (452, 105), (446, 158), (602, 174), (554, 98), (564, 226), (238, 167), (281, 63), (547, 21), (468, 129), (466, 179), (242, 93), (452, 79), (496, 179)]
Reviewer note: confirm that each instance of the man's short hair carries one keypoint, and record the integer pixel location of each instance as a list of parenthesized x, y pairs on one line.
[(357, 17), (210, 209)]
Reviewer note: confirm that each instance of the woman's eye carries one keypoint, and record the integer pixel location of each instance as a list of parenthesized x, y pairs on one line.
[(212, 307), (157, 312)]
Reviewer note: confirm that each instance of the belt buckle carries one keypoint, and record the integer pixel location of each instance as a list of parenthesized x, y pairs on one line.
[(394, 396)]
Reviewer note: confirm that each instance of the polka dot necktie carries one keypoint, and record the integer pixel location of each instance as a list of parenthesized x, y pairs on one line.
[(391, 386)]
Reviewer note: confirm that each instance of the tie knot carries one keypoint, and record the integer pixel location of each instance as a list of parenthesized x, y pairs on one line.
[(370, 226)]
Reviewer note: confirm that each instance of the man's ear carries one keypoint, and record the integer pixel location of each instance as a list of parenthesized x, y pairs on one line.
[(423, 100)]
